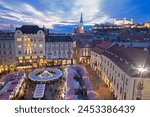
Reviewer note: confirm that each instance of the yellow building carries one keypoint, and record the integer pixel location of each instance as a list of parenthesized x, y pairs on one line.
[(147, 24), (30, 46)]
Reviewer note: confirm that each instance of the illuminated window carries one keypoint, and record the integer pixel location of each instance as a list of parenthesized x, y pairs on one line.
[(25, 39), (20, 57), (27, 57), (35, 45), (30, 61), (34, 57), (40, 45), (19, 39), (19, 46), (20, 61)]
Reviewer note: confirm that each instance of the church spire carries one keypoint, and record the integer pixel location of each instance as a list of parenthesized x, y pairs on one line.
[(81, 22)]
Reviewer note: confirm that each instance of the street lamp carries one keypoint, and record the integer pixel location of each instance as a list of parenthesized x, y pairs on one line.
[(142, 69)]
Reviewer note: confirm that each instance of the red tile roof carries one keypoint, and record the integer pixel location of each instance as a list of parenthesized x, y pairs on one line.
[(104, 44), (101, 46), (134, 56)]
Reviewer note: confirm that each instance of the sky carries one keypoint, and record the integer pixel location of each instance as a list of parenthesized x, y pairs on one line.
[(51, 13)]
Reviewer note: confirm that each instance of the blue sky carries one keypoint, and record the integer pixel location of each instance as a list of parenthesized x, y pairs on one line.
[(67, 12)]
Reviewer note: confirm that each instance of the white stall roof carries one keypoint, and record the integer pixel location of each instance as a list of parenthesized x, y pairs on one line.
[(39, 91)]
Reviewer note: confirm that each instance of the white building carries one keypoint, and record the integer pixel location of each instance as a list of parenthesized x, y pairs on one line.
[(7, 52), (59, 50), (124, 71), (29, 46), (123, 21)]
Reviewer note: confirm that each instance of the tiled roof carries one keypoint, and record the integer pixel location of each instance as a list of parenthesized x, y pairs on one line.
[(97, 50), (104, 44), (59, 38), (30, 29), (6, 36), (101, 46), (128, 59), (83, 36), (83, 43), (136, 36)]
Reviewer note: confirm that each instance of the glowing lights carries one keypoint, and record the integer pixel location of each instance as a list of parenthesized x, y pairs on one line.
[(142, 69)]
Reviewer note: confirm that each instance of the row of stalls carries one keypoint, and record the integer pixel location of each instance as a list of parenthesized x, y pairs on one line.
[(78, 85), (10, 85)]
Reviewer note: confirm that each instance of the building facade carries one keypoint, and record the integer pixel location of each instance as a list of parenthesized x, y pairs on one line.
[(59, 50), (123, 21), (119, 68), (29, 46), (83, 51), (7, 52)]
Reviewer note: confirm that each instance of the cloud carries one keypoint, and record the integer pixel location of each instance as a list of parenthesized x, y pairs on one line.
[(28, 9), (54, 12), (66, 12)]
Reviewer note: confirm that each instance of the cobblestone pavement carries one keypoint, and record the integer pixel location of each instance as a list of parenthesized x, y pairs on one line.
[(100, 89)]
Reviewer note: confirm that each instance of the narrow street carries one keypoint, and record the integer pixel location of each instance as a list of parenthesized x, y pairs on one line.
[(100, 89)]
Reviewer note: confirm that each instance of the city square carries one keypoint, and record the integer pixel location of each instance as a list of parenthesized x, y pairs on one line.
[(76, 52)]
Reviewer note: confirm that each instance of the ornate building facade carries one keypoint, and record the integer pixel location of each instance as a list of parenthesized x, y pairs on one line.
[(59, 50)]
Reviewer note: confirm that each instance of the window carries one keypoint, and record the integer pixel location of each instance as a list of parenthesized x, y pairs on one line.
[(126, 82), (108, 63), (113, 67), (104, 70), (40, 45), (125, 95), (19, 46), (112, 78), (34, 57), (25, 39), (117, 85), (41, 52), (20, 57), (4, 52), (120, 90), (122, 76), (27, 57), (19, 39), (40, 39), (4, 46), (114, 81), (10, 52), (9, 46), (118, 74), (19, 52), (69, 45)]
